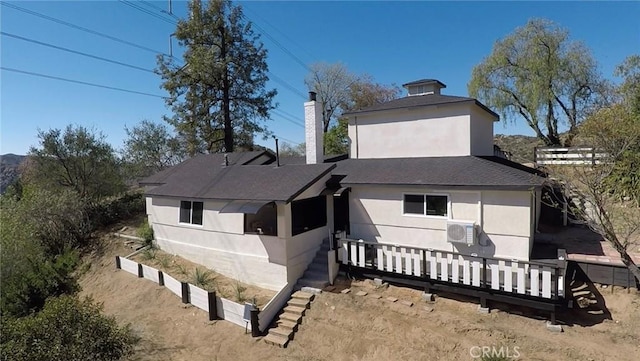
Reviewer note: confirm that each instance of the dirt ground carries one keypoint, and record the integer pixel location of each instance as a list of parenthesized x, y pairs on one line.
[(351, 327)]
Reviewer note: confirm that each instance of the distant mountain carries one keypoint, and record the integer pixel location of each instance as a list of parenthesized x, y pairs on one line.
[(520, 146), (9, 169)]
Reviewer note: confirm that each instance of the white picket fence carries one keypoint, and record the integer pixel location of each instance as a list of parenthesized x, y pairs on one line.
[(568, 156), (519, 277)]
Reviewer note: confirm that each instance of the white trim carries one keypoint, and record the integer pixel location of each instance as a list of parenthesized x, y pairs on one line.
[(424, 207), (190, 223)]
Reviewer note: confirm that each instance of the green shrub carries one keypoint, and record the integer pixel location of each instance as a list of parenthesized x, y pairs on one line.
[(202, 278), (66, 329), (145, 231), (114, 209)]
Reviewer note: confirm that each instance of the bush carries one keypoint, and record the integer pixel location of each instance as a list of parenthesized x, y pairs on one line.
[(66, 329), (145, 231), (115, 209)]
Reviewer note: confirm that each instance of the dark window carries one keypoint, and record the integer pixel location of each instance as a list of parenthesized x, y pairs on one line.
[(308, 214), (437, 205), (413, 204), (191, 212), (430, 205), (265, 221)]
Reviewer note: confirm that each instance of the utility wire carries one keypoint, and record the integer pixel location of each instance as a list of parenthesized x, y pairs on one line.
[(289, 120), (289, 87), (75, 52), (79, 82), (150, 4), (148, 12), (77, 27)]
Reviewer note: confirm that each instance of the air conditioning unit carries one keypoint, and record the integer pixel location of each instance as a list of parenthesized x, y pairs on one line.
[(461, 232)]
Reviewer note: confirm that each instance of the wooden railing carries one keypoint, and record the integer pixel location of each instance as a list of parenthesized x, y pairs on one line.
[(568, 156), (536, 279)]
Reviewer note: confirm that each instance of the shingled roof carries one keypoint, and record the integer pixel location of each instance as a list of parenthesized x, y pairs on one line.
[(444, 172), (422, 101), (205, 177)]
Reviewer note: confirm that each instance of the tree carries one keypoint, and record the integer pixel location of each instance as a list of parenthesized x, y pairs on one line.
[(79, 159), (290, 150), (150, 148), (608, 191), (66, 329), (332, 84), (538, 74), (630, 87), (218, 96)]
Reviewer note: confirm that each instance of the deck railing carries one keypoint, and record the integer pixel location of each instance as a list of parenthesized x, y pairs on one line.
[(568, 156), (531, 278)]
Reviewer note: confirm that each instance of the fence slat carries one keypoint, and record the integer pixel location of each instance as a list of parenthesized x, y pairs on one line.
[(466, 272), (495, 276), (408, 261), (354, 254), (389, 256), (522, 283), (455, 269), (444, 269), (546, 282), (398, 259), (508, 278), (417, 264), (476, 273), (433, 264), (380, 258), (534, 281), (361, 258)]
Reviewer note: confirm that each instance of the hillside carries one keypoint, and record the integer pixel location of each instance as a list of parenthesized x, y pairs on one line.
[(9, 168), (520, 146)]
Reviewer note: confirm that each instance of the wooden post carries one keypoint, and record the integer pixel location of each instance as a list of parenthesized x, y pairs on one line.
[(255, 324), (118, 266), (348, 253), (424, 262), (160, 278), (484, 273), (140, 271), (185, 292), (213, 305)]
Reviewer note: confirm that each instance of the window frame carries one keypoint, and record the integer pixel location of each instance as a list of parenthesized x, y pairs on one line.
[(424, 205), (191, 213)]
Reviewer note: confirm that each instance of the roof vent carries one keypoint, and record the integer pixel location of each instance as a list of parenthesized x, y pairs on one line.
[(424, 87)]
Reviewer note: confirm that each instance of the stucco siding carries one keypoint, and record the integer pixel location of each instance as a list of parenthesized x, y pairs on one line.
[(376, 214), (481, 132), (426, 132)]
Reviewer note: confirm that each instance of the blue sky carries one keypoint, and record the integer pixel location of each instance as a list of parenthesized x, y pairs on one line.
[(394, 42)]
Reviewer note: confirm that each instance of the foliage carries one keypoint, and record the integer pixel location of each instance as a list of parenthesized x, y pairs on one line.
[(78, 159), (630, 87), (218, 97), (538, 74), (288, 150), (202, 278), (336, 140), (66, 329), (150, 148), (148, 254), (239, 290), (331, 83), (145, 231), (116, 208)]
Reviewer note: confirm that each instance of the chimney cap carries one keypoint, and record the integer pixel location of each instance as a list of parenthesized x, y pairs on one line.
[(312, 96)]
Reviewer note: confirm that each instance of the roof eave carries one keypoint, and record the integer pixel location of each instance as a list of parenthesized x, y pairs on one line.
[(316, 179)]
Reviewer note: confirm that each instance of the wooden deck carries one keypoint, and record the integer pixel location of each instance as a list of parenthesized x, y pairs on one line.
[(540, 282)]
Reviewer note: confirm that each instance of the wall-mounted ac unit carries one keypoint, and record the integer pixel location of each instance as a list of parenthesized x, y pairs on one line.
[(461, 232)]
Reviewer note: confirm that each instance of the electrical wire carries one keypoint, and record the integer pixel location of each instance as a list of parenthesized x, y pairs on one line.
[(79, 82), (75, 52), (77, 27), (148, 12), (160, 9)]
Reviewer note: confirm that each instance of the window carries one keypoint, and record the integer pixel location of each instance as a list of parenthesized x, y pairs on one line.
[(264, 222), (308, 214), (191, 212), (426, 204)]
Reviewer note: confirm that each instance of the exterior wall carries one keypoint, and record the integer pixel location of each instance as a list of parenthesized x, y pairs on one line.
[(220, 243), (481, 132), (503, 217), (424, 132)]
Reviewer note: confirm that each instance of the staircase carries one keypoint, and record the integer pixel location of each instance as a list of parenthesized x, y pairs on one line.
[(289, 320), (317, 274)]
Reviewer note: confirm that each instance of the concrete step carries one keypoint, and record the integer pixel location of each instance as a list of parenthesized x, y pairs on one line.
[(291, 317), (276, 340), (306, 282), (314, 290), (303, 295), (297, 302), (316, 275), (320, 267), (293, 326), (282, 332), (295, 310)]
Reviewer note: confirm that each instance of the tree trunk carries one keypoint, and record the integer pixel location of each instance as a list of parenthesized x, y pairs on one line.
[(226, 106)]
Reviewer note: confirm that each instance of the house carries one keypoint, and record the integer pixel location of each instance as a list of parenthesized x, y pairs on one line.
[(421, 186)]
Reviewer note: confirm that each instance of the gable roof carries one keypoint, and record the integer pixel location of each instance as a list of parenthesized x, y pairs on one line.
[(205, 177), (216, 160), (415, 101), (445, 172)]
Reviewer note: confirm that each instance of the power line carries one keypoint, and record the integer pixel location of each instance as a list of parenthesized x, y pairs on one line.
[(77, 27), (160, 9), (75, 52), (79, 82), (148, 12), (289, 87), (285, 117)]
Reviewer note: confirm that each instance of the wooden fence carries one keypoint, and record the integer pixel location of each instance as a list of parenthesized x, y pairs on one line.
[(568, 156), (217, 307), (536, 279)]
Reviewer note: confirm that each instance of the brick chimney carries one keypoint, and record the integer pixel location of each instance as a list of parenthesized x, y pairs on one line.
[(313, 130)]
